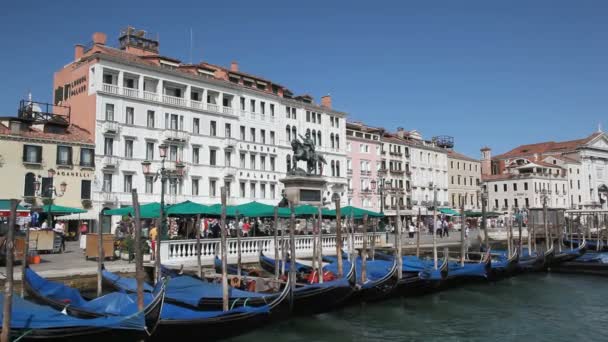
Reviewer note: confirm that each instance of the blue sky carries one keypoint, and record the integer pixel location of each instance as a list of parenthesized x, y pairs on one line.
[(496, 73)]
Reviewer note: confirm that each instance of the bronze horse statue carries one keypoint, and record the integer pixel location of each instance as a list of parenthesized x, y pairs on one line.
[(314, 161)]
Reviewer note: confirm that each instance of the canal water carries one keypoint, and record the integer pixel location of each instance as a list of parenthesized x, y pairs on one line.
[(535, 307)]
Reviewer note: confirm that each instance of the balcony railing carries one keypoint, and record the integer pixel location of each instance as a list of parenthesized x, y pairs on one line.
[(175, 101), (227, 110), (197, 104), (400, 172), (230, 143), (176, 135), (213, 107), (110, 88), (230, 171), (111, 127), (130, 92), (150, 96), (109, 161)]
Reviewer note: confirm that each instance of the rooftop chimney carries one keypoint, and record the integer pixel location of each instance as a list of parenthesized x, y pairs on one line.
[(234, 66), (99, 38), (326, 101), (78, 51), (400, 132)]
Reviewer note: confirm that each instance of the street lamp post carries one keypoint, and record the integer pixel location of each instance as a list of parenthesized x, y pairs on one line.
[(432, 187), (164, 174), (484, 221), (51, 192), (380, 185)]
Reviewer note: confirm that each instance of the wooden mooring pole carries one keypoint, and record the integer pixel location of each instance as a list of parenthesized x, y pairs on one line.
[(7, 309), (139, 261), (224, 251)]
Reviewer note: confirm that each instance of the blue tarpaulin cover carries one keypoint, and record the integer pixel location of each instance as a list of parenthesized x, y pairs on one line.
[(175, 312), (186, 289), (116, 303), (27, 315)]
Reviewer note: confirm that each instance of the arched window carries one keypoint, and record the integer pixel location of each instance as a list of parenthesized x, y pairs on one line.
[(331, 138), (319, 138), (308, 131), (333, 168), (294, 132), (337, 168), (288, 133), (337, 141), (314, 136), (29, 189), (288, 162)]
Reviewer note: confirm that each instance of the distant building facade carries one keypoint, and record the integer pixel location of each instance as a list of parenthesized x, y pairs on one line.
[(33, 148), (575, 171), (464, 174), (364, 148)]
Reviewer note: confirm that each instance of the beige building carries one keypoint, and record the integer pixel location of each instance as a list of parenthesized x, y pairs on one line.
[(464, 181), (38, 140)]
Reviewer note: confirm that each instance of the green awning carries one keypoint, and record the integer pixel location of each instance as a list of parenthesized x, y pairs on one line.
[(355, 212), (479, 214), (150, 210), (309, 210), (255, 209), (216, 210), (188, 208), (58, 209), (448, 211), (5, 205)]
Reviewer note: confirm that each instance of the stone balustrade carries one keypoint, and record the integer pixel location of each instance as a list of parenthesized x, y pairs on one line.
[(183, 252)]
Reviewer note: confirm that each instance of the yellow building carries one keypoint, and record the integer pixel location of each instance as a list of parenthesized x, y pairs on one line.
[(41, 148)]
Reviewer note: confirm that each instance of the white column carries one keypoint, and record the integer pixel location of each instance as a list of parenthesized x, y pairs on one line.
[(120, 79)]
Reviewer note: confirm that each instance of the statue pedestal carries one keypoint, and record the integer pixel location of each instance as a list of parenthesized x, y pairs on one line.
[(304, 189)]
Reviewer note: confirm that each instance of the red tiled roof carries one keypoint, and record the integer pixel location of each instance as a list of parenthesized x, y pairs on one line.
[(74, 134), (456, 155), (546, 147)]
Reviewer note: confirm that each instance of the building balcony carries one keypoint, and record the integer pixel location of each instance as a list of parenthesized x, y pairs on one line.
[(365, 173), (230, 172), (109, 162), (227, 110), (349, 172), (408, 172), (111, 127), (398, 172), (107, 197), (110, 89), (382, 171), (197, 105), (175, 135), (175, 101), (130, 92), (151, 96), (212, 107), (230, 143)]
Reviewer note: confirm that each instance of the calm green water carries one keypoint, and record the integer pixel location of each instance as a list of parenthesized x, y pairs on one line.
[(530, 308)]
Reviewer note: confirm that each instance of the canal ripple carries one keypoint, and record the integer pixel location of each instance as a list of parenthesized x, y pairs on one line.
[(544, 307)]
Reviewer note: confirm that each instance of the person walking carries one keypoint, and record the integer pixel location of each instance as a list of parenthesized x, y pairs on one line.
[(438, 228), (60, 230), (411, 230), (152, 234), (445, 227)]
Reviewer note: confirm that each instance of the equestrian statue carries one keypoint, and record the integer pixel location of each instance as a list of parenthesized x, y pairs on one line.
[(305, 150)]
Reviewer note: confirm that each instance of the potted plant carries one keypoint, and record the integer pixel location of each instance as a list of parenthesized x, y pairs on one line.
[(126, 245), (87, 203)]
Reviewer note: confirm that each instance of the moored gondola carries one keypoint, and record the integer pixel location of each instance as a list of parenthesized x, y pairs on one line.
[(194, 293), (568, 255), (503, 266), (381, 278), (591, 263), (34, 322), (419, 276), (178, 322), (67, 299), (314, 298), (469, 272)]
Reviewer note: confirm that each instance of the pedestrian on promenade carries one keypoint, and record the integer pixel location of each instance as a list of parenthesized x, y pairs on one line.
[(412, 230), (60, 230), (438, 228), (152, 234), (445, 227)]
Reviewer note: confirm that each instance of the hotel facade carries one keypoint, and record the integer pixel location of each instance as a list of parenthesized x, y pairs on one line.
[(227, 128)]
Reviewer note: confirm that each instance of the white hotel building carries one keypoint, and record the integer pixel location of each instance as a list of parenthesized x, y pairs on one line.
[(227, 127)]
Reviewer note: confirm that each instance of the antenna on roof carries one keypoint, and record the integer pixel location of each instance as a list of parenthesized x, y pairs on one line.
[(191, 45)]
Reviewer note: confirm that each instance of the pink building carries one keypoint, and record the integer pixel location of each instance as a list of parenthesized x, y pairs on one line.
[(363, 150)]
